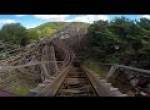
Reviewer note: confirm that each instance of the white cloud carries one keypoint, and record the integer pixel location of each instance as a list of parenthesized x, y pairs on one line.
[(70, 18), (146, 16), (31, 26), (52, 18), (6, 21), (88, 18), (20, 15)]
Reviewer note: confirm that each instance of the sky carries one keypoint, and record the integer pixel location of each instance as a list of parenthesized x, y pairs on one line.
[(31, 21)]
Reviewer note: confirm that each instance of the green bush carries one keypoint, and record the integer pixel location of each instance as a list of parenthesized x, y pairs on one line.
[(121, 41), (14, 33)]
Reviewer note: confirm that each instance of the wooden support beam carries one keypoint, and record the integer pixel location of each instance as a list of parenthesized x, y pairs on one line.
[(52, 89), (46, 73), (53, 65), (111, 71)]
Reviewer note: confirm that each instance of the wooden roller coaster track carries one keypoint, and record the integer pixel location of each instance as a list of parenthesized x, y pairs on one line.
[(68, 79)]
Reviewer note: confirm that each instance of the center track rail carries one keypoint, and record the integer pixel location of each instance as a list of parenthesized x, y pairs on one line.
[(76, 83), (80, 82)]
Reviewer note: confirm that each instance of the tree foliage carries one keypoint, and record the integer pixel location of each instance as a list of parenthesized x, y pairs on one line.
[(45, 30), (121, 41), (14, 33)]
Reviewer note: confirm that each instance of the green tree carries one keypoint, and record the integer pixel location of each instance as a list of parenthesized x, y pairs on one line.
[(120, 41), (14, 33)]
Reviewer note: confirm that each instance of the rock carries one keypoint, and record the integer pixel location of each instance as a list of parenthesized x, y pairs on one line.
[(134, 82)]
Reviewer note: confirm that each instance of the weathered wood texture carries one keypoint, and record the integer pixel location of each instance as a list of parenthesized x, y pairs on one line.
[(111, 71), (115, 67), (101, 86)]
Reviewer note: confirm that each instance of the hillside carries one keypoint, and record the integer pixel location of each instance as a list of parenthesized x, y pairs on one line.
[(48, 28), (45, 29)]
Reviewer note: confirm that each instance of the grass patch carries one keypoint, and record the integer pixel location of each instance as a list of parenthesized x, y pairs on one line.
[(19, 84), (95, 66), (20, 90)]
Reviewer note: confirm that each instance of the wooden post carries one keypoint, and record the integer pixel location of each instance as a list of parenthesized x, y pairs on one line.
[(46, 73), (53, 66), (111, 71)]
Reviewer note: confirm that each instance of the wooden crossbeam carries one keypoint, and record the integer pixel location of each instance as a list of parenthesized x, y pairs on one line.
[(26, 65)]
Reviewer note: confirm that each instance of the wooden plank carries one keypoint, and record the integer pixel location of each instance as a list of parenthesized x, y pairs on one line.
[(26, 65), (74, 91), (46, 73), (52, 89), (111, 72), (134, 69), (97, 86), (100, 85), (57, 83), (141, 71)]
